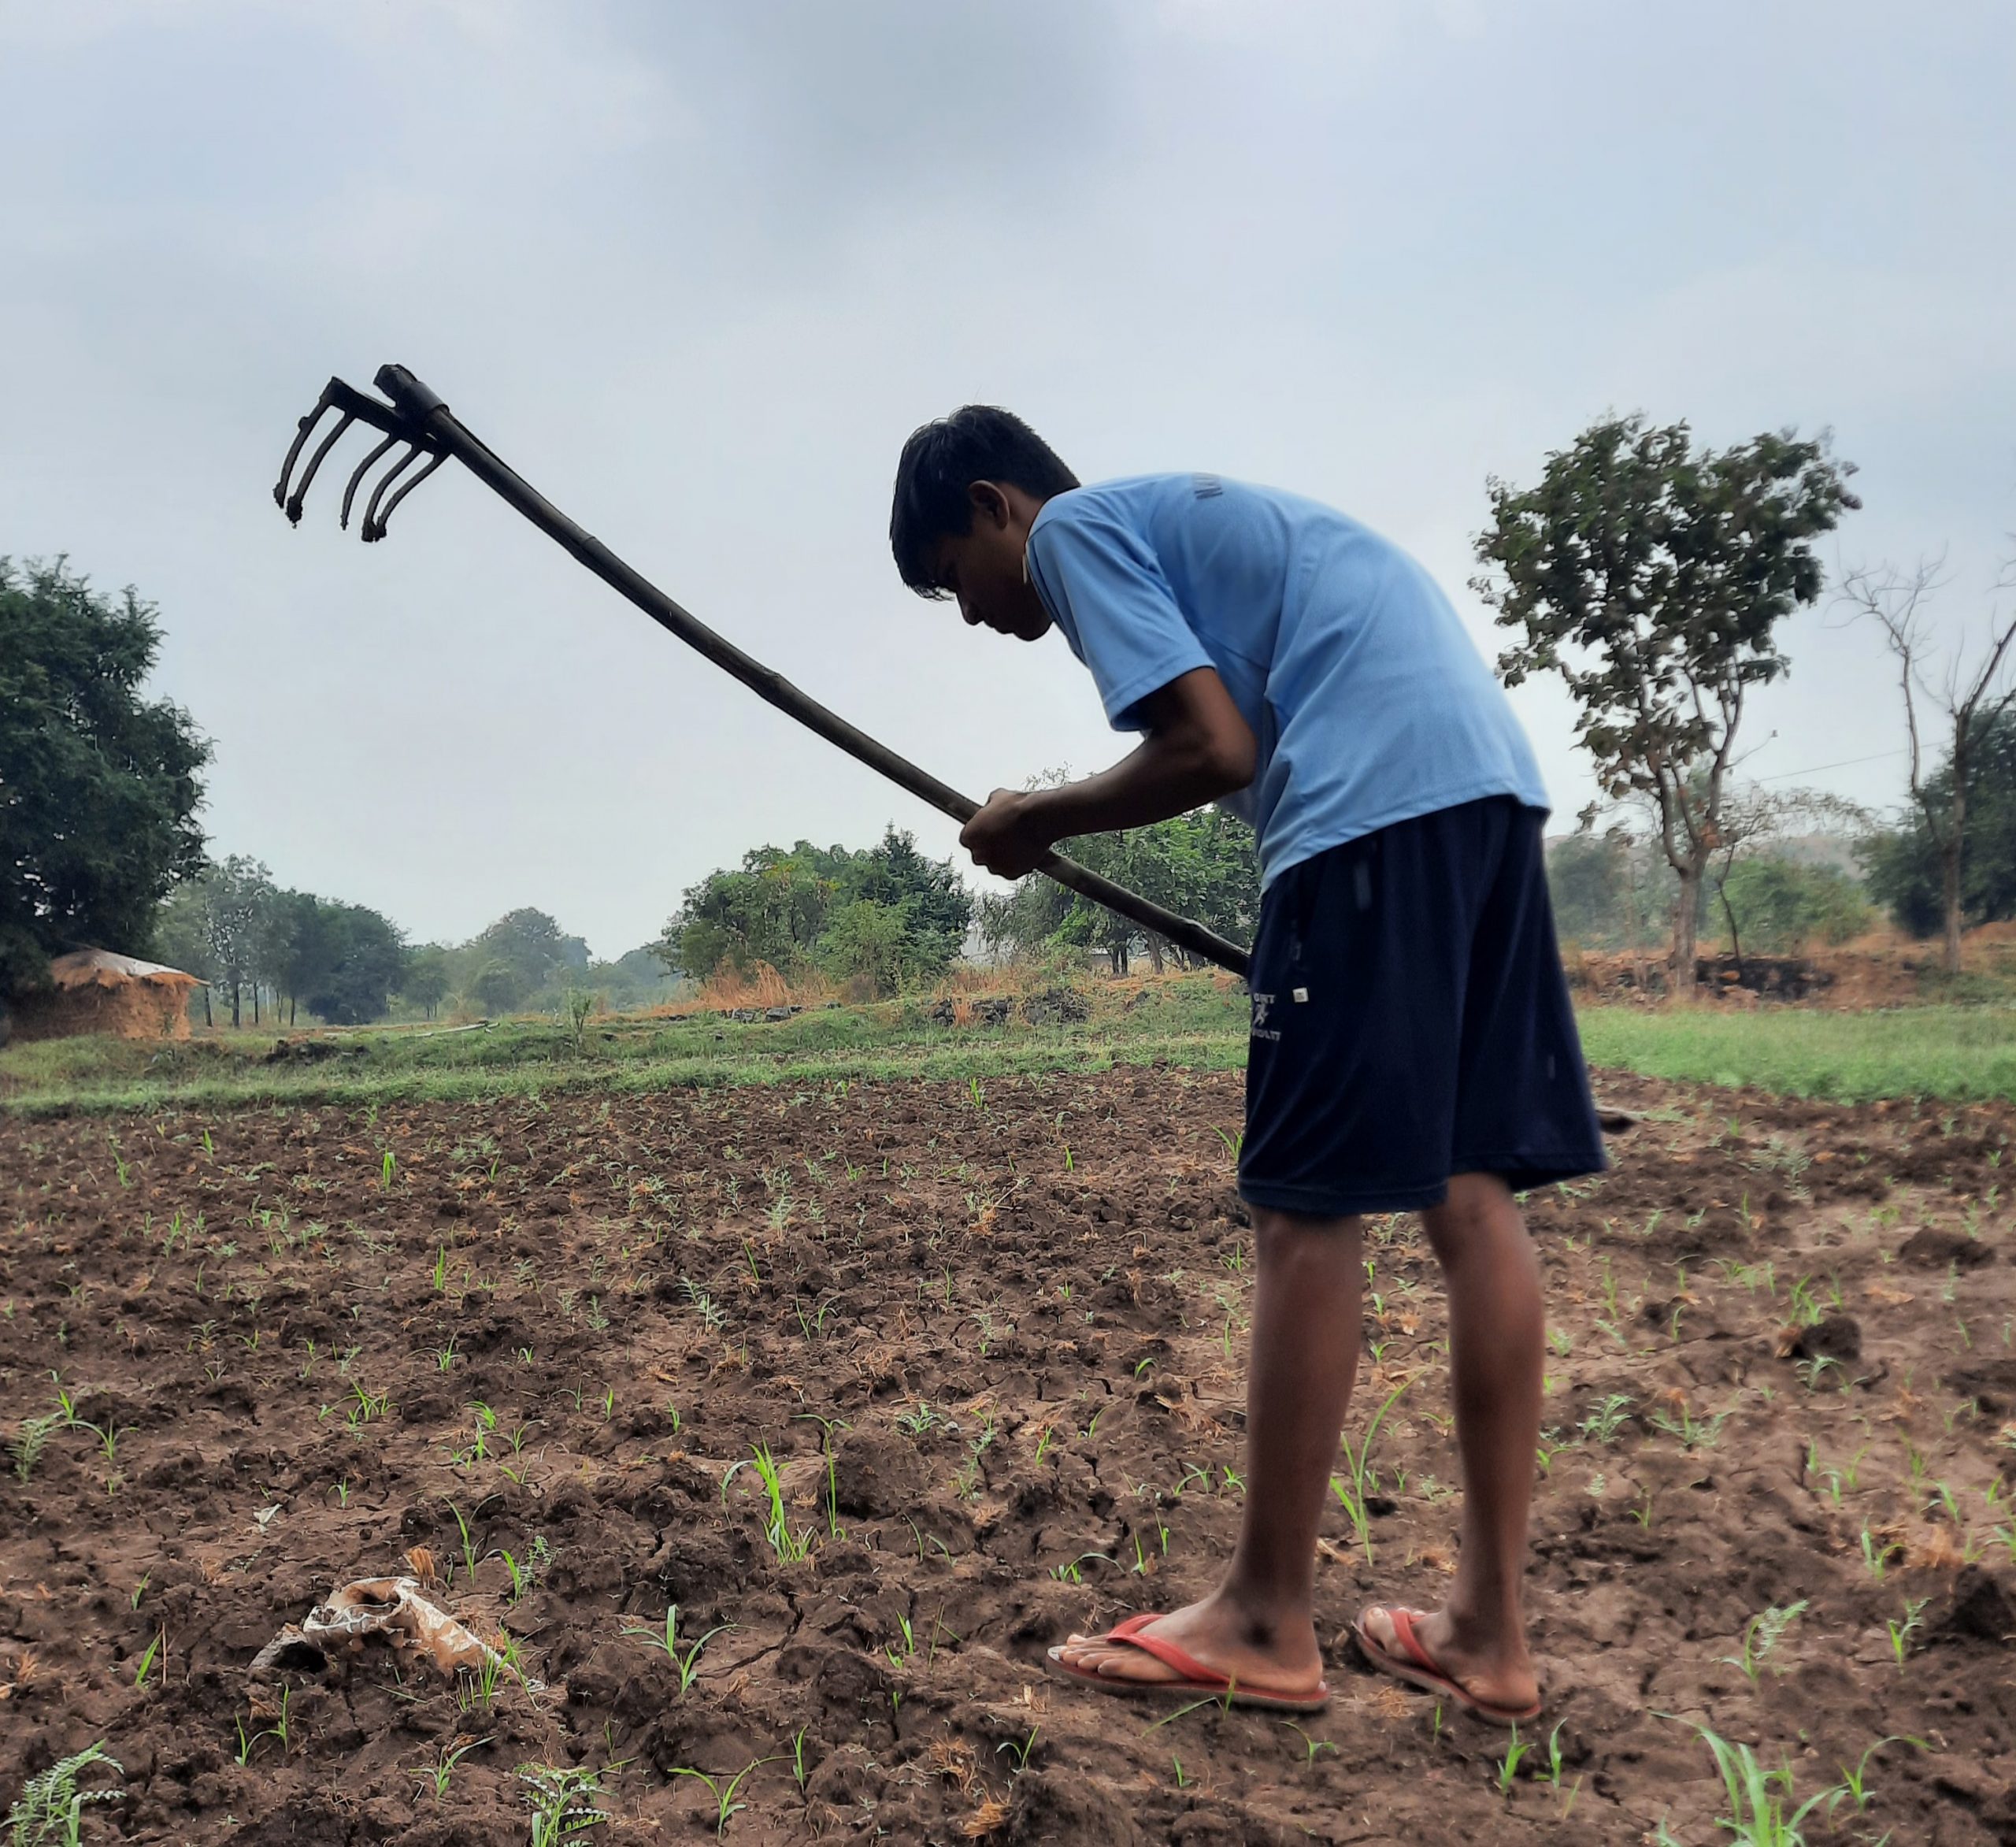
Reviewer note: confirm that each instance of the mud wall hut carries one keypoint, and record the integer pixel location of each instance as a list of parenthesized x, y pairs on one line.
[(96, 991)]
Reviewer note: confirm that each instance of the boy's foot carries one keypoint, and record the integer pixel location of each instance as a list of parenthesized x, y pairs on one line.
[(1422, 1650), (1217, 1645)]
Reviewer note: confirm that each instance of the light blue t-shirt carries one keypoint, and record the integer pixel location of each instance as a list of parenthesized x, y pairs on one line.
[(1368, 701)]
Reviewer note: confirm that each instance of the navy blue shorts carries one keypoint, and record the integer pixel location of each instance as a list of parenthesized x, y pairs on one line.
[(1411, 1021)]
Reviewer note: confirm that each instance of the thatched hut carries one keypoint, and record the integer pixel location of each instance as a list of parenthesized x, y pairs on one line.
[(94, 991)]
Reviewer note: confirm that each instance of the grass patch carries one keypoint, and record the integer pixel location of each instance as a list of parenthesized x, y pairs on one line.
[(1961, 1053)]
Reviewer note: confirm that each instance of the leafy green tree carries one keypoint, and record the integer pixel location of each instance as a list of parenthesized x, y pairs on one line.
[(531, 945), (1906, 865), (1203, 865), (98, 786), (426, 983), (778, 907), (497, 986), (368, 967), (236, 894), (871, 946), (1782, 906), (1651, 576)]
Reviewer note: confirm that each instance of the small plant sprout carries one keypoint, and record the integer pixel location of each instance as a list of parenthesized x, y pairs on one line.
[(1761, 1635), (147, 1660), (1758, 1798), (1854, 1783), (1363, 1479), (562, 1802), (50, 1807), (722, 1790), (1312, 1748), (1508, 1765), (385, 1172), (1602, 1423), (32, 1438), (1901, 1633), (789, 1548), (686, 1659), (1018, 1752), (438, 1774)]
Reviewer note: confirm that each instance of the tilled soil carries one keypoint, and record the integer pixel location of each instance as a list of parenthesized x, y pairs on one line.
[(992, 1336)]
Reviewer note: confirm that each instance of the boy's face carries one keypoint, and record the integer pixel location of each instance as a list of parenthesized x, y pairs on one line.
[(984, 566)]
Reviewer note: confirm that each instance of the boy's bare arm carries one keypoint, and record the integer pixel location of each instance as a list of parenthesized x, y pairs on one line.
[(1198, 747)]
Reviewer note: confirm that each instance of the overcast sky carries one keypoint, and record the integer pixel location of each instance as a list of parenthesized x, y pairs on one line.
[(696, 270)]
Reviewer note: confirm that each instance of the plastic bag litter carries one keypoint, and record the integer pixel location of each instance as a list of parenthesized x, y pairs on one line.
[(395, 1608)]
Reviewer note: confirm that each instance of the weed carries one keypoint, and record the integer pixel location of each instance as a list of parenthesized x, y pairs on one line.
[(1761, 1635), (32, 1438), (1603, 1424), (561, 1802), (50, 1807)]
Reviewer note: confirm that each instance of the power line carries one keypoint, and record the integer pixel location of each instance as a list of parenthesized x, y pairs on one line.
[(1846, 763)]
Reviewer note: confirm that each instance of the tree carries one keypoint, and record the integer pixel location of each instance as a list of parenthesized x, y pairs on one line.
[(1968, 700), (1905, 865), (1651, 578), (235, 893), (530, 943), (1201, 864), (496, 987), (426, 982), (1782, 906), (98, 787), (369, 964), (777, 909), (869, 945)]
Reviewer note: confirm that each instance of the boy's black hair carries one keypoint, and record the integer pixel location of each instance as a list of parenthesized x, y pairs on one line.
[(976, 442)]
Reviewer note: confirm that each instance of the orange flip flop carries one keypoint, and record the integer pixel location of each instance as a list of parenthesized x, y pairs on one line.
[(1197, 1680), (1417, 1667)]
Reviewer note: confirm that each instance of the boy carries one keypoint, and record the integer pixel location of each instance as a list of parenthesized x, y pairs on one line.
[(1412, 1047)]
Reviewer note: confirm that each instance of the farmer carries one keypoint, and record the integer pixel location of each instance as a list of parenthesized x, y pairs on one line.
[(1412, 1045)]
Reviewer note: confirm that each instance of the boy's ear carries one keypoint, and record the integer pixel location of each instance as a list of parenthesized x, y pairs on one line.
[(989, 503)]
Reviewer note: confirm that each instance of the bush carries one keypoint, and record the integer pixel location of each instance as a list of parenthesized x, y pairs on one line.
[(1783, 907)]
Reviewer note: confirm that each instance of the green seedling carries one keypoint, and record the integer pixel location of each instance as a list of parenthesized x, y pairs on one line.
[(687, 1659), (1018, 1753), (147, 1660), (1855, 1782), (468, 1545), (789, 1548), (725, 1805), (1901, 1633), (1363, 1479), (1761, 1635), (1508, 1766), (50, 1807), (561, 1802), (1757, 1797), (798, 1770), (385, 1172), (1312, 1748), (438, 1773)]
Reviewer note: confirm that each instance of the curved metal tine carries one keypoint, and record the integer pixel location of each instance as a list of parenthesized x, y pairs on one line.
[(349, 492), (385, 481), (293, 449), (294, 500), (392, 505)]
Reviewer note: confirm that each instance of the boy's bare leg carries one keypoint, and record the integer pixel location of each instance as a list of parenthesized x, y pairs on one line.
[(1258, 1626), (1497, 1335)]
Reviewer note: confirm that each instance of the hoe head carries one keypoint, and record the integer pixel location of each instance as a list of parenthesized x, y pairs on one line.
[(403, 422)]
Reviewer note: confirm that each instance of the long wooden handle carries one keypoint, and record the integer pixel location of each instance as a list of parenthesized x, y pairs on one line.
[(443, 430)]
